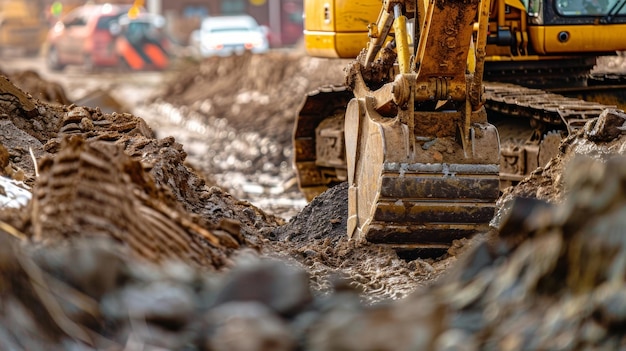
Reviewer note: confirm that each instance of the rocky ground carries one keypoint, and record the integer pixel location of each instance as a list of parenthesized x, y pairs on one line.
[(178, 227)]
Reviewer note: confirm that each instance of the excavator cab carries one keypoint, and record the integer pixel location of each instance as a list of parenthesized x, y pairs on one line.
[(552, 43), (540, 43), (413, 142)]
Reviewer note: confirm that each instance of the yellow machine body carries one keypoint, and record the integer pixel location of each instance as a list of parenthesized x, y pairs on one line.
[(338, 28)]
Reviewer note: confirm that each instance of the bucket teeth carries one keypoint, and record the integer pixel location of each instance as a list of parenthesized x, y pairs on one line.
[(426, 205)]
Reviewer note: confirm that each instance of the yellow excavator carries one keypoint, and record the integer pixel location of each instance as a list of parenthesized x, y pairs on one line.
[(409, 131), (420, 158)]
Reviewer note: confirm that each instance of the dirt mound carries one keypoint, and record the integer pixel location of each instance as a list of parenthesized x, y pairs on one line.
[(316, 238), (106, 175), (42, 89), (259, 93)]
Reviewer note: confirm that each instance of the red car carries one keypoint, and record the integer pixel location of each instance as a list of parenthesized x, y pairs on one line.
[(84, 37)]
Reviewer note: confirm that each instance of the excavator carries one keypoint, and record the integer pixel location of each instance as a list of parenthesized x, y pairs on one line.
[(413, 142), (409, 130)]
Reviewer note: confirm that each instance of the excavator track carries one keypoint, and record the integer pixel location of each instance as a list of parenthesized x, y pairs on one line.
[(608, 79), (537, 120), (548, 117), (319, 152), (541, 106)]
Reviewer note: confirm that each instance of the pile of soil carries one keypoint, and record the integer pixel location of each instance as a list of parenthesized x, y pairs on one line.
[(31, 82), (124, 245), (106, 175), (258, 93)]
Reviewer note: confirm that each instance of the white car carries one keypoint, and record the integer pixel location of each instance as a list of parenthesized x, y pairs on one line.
[(227, 35)]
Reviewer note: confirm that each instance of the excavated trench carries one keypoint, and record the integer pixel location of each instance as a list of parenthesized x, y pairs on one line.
[(180, 227)]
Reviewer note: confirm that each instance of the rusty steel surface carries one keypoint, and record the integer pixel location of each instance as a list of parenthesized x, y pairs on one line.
[(447, 201), (422, 194), (419, 205)]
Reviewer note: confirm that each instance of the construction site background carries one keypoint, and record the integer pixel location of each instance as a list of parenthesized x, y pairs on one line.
[(25, 23)]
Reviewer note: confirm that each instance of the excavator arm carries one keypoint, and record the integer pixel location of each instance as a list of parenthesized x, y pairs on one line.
[(421, 160)]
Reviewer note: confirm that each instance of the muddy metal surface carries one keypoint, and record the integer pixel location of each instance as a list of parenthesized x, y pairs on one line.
[(134, 239)]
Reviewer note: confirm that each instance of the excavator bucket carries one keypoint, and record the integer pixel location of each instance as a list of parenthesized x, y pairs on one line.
[(422, 160), (419, 195)]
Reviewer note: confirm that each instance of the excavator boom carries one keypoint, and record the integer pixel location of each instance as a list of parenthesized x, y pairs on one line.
[(421, 159)]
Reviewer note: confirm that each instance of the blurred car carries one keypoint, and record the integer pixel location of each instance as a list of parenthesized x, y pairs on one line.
[(227, 35), (140, 42), (83, 37)]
